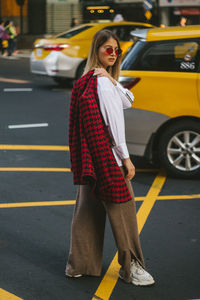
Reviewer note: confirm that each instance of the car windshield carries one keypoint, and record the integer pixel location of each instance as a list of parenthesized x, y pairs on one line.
[(72, 33), (132, 55)]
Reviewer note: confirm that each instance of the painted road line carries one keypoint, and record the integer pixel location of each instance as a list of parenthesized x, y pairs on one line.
[(35, 170), (172, 197), (150, 199), (34, 147), (28, 125), (45, 203), (10, 169), (32, 204), (178, 197), (18, 90), (109, 281), (4, 295), (72, 202), (3, 79)]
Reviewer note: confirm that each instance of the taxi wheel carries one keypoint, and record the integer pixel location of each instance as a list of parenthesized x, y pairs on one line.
[(179, 149)]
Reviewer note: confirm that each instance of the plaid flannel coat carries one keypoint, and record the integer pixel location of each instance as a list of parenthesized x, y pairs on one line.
[(92, 159)]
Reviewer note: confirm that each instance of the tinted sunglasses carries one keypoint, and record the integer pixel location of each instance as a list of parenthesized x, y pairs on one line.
[(110, 51)]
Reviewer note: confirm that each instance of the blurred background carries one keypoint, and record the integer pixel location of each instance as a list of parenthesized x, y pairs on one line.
[(38, 18)]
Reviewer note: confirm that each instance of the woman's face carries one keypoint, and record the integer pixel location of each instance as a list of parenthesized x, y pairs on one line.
[(108, 53)]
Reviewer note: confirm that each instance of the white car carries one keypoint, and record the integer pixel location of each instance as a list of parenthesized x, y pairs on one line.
[(64, 56)]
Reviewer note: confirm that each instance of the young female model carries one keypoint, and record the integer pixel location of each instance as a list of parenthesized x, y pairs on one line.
[(102, 168)]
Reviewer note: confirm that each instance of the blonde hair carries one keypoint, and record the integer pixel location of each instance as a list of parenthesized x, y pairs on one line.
[(93, 58)]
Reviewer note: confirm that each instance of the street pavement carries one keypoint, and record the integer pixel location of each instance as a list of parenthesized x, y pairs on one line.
[(37, 198)]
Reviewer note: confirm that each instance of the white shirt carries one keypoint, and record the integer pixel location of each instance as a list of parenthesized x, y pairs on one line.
[(112, 100)]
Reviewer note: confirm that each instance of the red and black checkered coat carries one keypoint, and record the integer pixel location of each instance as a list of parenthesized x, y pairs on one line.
[(92, 159)]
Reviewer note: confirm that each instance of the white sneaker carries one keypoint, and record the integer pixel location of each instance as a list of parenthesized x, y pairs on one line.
[(139, 276), (73, 276)]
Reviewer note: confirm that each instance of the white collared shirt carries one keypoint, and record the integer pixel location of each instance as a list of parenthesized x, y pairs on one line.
[(112, 100)]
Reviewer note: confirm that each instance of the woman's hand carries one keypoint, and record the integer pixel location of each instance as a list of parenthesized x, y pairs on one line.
[(129, 167), (101, 72)]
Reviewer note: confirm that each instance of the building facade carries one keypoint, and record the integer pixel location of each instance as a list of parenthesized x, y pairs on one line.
[(172, 11), (53, 16), (10, 10)]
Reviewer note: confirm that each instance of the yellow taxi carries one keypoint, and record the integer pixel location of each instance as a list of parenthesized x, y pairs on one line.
[(64, 55), (162, 69)]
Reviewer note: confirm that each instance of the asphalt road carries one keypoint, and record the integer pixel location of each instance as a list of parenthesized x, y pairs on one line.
[(35, 208)]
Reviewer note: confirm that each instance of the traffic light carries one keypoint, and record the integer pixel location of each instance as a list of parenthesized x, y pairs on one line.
[(20, 2)]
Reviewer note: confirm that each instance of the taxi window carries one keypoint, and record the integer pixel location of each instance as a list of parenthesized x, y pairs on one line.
[(186, 51), (123, 31), (172, 56), (72, 33)]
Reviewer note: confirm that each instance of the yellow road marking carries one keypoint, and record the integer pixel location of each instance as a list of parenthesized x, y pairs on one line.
[(43, 203), (20, 169), (34, 147), (35, 170), (150, 199), (110, 279), (72, 202), (171, 197), (4, 295), (179, 197), (3, 79)]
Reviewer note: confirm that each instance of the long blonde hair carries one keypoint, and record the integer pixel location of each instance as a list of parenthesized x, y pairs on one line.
[(93, 59)]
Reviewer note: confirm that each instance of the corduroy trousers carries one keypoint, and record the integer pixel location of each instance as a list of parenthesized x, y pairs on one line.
[(87, 233)]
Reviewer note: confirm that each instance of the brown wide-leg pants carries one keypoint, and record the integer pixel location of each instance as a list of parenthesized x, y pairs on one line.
[(87, 233)]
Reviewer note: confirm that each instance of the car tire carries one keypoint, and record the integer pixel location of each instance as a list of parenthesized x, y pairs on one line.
[(179, 149)]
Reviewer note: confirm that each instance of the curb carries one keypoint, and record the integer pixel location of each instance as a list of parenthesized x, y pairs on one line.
[(23, 53)]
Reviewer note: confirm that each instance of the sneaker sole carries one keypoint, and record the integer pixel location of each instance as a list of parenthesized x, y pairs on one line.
[(138, 283), (74, 276)]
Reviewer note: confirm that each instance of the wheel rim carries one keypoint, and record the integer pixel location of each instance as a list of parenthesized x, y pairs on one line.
[(183, 150)]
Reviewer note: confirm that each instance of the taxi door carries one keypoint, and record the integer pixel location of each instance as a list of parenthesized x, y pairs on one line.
[(164, 78)]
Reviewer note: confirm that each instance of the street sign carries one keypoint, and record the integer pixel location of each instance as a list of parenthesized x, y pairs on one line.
[(148, 14), (148, 4)]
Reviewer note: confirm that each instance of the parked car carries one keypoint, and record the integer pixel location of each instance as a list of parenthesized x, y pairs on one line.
[(64, 55), (162, 69)]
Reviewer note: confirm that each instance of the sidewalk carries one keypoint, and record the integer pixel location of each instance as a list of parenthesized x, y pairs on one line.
[(23, 53)]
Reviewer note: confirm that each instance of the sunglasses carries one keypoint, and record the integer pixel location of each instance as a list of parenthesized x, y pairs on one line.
[(110, 51)]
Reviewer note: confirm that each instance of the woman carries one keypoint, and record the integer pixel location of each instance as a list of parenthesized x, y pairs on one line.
[(102, 168)]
